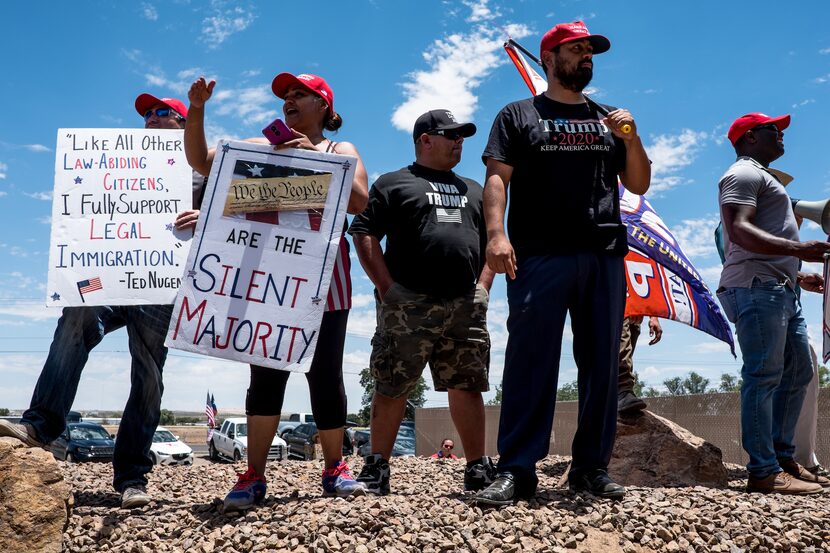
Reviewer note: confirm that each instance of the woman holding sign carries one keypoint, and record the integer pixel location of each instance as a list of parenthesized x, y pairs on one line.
[(308, 112)]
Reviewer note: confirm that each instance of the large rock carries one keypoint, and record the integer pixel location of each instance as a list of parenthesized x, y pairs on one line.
[(34, 500), (655, 452)]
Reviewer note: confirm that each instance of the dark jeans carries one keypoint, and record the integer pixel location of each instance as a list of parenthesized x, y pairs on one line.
[(79, 330), (591, 287)]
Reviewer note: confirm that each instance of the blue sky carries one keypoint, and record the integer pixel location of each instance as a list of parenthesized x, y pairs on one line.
[(684, 70)]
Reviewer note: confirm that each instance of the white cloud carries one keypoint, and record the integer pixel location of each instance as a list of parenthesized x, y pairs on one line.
[(362, 322), (3, 169), (824, 51), (45, 196), (45, 220), (671, 153), (250, 73), (148, 11), (255, 105), (696, 236), (803, 103), (3, 193), (28, 310), (37, 148), (458, 64), (363, 300), (480, 11), (822, 79), (224, 23)]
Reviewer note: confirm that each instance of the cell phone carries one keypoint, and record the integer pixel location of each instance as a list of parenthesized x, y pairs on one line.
[(277, 132)]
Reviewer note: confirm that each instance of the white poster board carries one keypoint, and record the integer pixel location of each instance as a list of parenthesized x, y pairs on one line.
[(117, 194), (256, 281)]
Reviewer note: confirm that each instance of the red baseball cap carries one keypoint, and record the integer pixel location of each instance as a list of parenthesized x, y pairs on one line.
[(751, 120), (145, 101), (315, 84), (567, 32)]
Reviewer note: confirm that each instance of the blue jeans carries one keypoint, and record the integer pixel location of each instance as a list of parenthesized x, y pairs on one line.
[(79, 330), (776, 371), (591, 287)]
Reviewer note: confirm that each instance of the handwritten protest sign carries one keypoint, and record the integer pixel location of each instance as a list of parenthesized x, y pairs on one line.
[(117, 193), (256, 281)]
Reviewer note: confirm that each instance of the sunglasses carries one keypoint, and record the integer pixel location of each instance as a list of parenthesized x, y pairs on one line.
[(451, 134), (449, 446), (767, 126), (160, 112)]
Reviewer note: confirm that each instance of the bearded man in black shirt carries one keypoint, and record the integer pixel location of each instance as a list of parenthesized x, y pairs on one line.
[(561, 154), (432, 290)]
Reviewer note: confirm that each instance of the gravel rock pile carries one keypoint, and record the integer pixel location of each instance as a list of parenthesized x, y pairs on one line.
[(428, 513)]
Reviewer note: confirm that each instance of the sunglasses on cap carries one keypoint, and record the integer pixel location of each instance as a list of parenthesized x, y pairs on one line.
[(160, 112), (449, 134)]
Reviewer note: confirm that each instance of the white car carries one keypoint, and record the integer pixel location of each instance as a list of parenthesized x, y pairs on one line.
[(167, 449)]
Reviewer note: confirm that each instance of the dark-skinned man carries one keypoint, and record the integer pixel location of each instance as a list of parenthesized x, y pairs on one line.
[(560, 154), (757, 292)]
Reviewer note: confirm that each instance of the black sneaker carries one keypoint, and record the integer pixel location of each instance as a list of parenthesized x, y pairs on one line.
[(598, 483), (629, 404), (375, 475), (501, 492), (479, 475)]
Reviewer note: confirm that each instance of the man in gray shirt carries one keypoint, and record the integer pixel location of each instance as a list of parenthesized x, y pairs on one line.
[(757, 291)]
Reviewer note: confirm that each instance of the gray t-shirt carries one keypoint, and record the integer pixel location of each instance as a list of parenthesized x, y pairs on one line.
[(747, 182)]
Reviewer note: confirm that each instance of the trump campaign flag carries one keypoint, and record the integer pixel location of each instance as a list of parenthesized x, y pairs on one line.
[(661, 280)]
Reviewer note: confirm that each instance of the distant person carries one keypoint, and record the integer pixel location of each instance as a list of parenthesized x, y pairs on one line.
[(431, 291), (559, 156), (80, 329), (627, 401), (308, 109), (757, 291), (446, 450)]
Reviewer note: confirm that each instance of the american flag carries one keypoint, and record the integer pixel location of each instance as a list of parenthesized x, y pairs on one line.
[(89, 285), (210, 411)]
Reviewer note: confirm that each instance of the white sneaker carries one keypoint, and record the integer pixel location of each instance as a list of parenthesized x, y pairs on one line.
[(134, 496), (22, 432)]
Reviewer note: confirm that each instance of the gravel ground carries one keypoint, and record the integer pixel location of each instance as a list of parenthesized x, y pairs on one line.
[(428, 513)]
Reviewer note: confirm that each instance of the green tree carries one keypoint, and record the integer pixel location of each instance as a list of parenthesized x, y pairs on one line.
[(823, 376), (416, 399), (729, 383), (638, 384), (167, 418), (568, 392), (497, 399), (4, 412), (695, 384), (674, 386), (651, 391)]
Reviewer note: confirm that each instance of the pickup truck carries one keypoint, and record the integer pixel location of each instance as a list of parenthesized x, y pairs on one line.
[(231, 442)]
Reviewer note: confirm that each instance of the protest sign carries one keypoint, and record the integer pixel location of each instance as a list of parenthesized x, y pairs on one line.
[(258, 274), (117, 193)]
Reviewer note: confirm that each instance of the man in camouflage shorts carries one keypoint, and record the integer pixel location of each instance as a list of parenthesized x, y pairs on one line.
[(432, 289)]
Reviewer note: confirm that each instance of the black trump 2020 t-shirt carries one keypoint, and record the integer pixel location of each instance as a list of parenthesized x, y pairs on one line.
[(563, 192), (434, 228)]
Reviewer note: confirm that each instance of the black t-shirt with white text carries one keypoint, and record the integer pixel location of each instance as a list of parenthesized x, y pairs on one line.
[(434, 228), (563, 191)]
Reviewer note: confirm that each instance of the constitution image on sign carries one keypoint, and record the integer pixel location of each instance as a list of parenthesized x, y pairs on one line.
[(277, 194)]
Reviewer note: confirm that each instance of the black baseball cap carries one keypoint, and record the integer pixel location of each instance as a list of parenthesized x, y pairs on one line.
[(440, 120)]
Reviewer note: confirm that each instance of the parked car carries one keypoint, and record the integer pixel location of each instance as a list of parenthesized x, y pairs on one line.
[(83, 441), (167, 449), (231, 442), (360, 435), (404, 445), (301, 441), (293, 421)]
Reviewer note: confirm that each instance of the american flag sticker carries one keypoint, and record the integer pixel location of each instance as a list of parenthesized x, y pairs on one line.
[(448, 215), (89, 285)]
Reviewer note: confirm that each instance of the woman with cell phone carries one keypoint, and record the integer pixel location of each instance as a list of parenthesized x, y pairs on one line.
[(308, 110)]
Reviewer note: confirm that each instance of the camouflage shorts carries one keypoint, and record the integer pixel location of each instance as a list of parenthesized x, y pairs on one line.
[(415, 329)]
